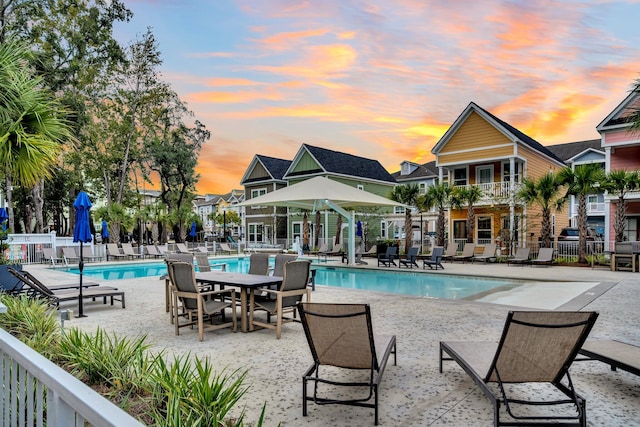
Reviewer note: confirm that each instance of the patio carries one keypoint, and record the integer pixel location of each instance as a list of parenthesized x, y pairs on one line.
[(413, 393)]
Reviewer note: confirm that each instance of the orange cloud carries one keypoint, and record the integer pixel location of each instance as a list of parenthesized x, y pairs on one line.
[(232, 97)]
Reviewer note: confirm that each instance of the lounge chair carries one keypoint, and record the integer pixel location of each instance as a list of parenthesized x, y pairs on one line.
[(387, 259), (410, 259), (294, 286), (521, 257), (341, 336), (488, 253), (70, 255), (545, 257), (127, 249), (259, 264), (203, 250), (225, 248), (114, 252), (436, 259), (450, 252), (467, 253), (153, 251), (56, 296), (535, 347), (614, 353), (182, 248), (198, 304), (337, 250), (371, 253), (87, 254), (49, 255), (25, 279)]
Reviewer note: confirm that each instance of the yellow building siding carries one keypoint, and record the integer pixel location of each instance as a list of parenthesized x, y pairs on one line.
[(534, 221), (536, 164), (475, 132), (476, 155)]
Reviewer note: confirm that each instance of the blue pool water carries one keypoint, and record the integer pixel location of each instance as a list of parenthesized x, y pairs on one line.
[(400, 282)]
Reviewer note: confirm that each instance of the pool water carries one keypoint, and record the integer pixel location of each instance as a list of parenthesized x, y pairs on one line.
[(400, 282)]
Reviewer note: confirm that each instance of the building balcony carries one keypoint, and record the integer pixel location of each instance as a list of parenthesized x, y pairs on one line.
[(496, 192), (592, 209)]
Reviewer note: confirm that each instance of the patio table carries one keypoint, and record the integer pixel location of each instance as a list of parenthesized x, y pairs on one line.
[(240, 280)]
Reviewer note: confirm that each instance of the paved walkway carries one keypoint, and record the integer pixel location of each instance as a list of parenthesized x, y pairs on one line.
[(413, 393)]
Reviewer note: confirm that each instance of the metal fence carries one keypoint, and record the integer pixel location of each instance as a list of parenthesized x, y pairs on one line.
[(37, 392)]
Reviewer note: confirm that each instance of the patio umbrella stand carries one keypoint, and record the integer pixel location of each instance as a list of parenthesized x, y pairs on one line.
[(82, 234)]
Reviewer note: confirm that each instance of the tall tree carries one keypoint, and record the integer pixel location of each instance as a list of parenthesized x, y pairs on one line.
[(636, 114), (437, 196), (32, 122), (582, 181), (467, 197), (544, 192), (407, 194), (619, 183)]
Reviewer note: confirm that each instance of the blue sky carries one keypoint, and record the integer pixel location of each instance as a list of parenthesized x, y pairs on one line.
[(384, 79)]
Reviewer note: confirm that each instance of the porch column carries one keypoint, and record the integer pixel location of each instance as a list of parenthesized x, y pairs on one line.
[(512, 199)]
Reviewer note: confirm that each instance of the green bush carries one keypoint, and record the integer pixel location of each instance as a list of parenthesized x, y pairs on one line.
[(32, 321)]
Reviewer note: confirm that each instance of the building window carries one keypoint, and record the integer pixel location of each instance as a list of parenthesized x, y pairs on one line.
[(360, 187), (484, 228), (399, 210), (256, 232), (383, 229), (460, 176), (506, 172), (423, 188), (258, 192)]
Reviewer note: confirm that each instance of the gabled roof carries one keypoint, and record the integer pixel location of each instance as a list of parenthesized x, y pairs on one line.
[(338, 163), (621, 116), (509, 131), (275, 167), (426, 170), (571, 149)]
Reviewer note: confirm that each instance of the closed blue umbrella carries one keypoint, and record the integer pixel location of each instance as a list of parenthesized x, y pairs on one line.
[(105, 231), (3, 218), (82, 234), (359, 229), (192, 233)]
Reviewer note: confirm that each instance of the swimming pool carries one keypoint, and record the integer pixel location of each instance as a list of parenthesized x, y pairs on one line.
[(400, 282)]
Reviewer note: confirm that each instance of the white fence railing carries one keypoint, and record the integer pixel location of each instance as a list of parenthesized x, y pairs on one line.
[(37, 392)]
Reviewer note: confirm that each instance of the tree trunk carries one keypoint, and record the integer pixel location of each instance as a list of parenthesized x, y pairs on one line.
[(545, 231), (38, 203), (441, 228), (582, 229), (338, 228), (408, 227), (316, 229), (471, 217), (619, 224)]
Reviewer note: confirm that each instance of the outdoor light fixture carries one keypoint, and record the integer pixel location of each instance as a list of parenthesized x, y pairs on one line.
[(65, 315)]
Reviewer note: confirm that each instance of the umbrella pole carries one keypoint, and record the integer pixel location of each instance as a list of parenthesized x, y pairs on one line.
[(80, 299)]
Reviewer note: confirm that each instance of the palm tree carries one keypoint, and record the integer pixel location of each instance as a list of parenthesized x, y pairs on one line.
[(406, 194), (32, 124), (438, 196), (544, 192), (620, 182), (467, 196), (580, 182)]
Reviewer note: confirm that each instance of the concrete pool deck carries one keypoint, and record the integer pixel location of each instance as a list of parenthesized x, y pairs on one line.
[(413, 393)]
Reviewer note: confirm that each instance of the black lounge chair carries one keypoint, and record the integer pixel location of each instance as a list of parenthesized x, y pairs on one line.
[(436, 259), (614, 353), (387, 259), (410, 260), (341, 335), (535, 347)]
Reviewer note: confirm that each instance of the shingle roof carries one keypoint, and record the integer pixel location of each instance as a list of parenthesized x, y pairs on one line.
[(276, 167), (426, 170), (347, 164), (523, 137), (571, 149)]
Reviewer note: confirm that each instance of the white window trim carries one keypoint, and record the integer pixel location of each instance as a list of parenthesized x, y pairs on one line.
[(478, 169), (453, 175)]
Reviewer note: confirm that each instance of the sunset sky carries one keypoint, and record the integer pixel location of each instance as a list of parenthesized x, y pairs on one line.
[(384, 79)]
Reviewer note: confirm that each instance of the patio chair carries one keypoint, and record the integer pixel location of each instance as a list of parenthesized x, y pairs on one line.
[(410, 259), (49, 255), (70, 256), (26, 278), (259, 264), (624, 254), (203, 262), (489, 253), (371, 253), (387, 259), (198, 304), (127, 249), (294, 286), (88, 255), (535, 347), (436, 259), (114, 252), (56, 296), (182, 248), (337, 250), (467, 253), (521, 257), (280, 261), (450, 252), (341, 336), (614, 353), (545, 257)]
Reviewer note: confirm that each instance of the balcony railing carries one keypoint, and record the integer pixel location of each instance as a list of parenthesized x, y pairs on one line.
[(495, 192), (592, 209)]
